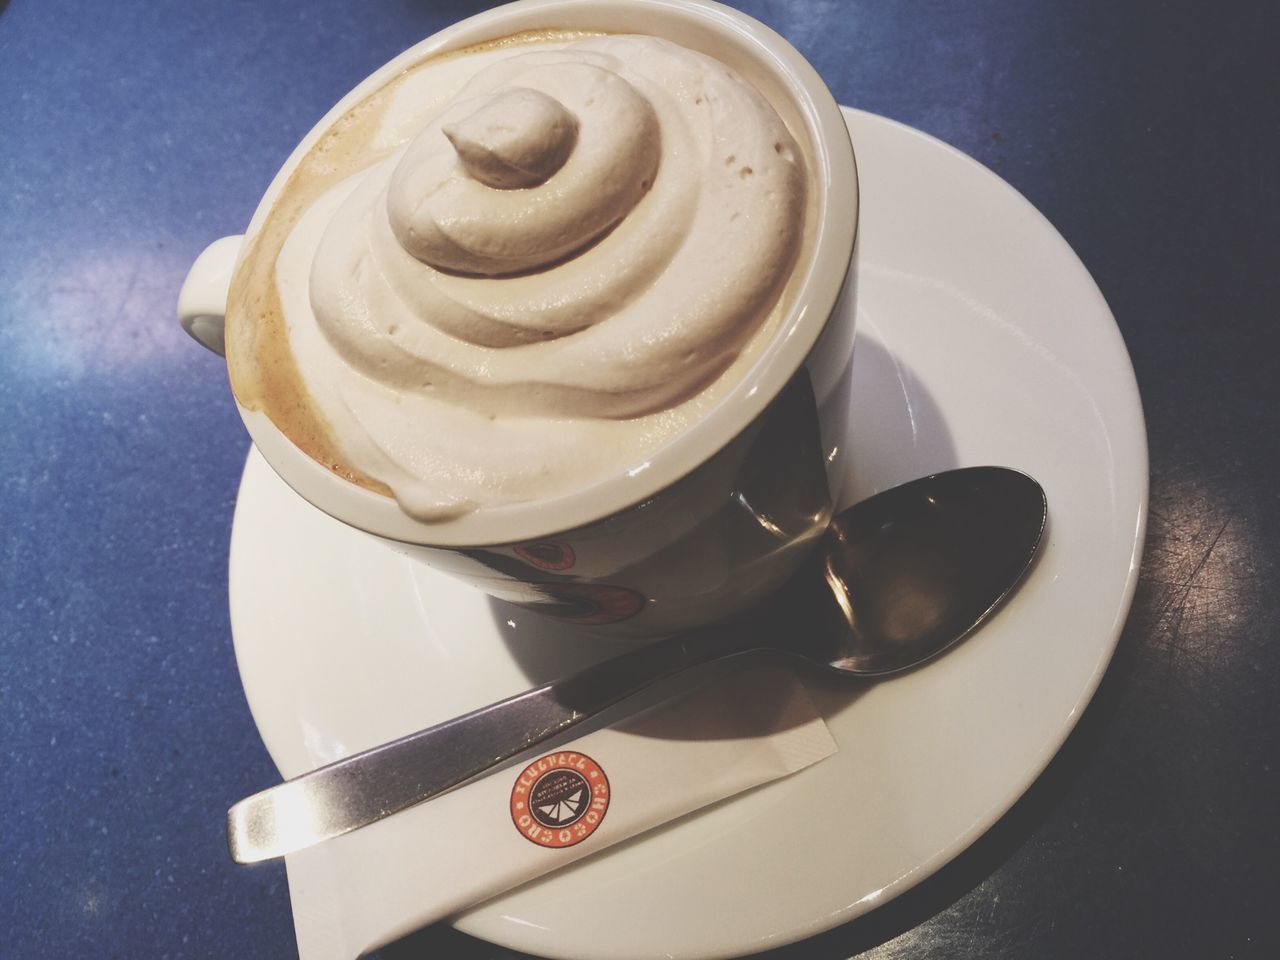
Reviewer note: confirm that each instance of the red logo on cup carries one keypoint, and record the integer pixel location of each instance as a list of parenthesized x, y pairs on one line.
[(560, 799), (547, 554), (590, 604)]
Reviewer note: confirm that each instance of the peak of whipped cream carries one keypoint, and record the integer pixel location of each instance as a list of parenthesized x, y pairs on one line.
[(580, 140), (515, 138), (564, 266)]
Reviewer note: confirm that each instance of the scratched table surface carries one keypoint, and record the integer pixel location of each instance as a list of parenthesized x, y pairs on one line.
[(132, 133)]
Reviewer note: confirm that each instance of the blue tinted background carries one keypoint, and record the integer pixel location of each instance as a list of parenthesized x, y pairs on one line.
[(133, 133)]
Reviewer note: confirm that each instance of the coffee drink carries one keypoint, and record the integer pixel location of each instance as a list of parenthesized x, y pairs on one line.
[(521, 267)]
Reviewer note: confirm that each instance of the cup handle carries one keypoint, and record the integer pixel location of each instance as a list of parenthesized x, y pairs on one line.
[(202, 304)]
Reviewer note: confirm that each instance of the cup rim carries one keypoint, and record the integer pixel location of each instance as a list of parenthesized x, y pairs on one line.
[(812, 306)]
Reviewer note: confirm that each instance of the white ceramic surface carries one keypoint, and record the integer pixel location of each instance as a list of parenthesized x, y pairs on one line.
[(982, 339)]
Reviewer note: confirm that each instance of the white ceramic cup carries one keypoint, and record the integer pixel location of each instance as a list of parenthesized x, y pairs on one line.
[(725, 510)]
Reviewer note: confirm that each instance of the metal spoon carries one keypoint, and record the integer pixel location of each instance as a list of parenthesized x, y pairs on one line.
[(899, 578)]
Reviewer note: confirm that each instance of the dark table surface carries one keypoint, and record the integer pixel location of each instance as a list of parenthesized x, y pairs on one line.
[(133, 133)]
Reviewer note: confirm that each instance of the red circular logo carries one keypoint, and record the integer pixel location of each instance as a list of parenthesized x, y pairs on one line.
[(546, 554), (590, 604), (560, 799)]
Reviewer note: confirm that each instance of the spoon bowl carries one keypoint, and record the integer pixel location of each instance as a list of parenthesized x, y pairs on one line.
[(905, 575), (898, 579)]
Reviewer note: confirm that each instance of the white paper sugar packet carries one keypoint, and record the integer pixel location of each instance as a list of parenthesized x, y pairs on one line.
[(363, 890)]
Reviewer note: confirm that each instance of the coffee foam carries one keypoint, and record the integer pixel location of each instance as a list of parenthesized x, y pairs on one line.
[(260, 361), (261, 347)]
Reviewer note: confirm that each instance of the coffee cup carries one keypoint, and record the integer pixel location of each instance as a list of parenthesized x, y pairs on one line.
[(720, 512)]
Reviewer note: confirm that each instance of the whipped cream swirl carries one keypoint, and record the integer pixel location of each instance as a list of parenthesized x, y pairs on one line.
[(527, 294)]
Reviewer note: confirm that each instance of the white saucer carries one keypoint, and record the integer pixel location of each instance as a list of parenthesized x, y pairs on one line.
[(982, 339)]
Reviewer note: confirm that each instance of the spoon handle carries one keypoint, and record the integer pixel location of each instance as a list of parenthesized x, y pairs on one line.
[(365, 787)]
